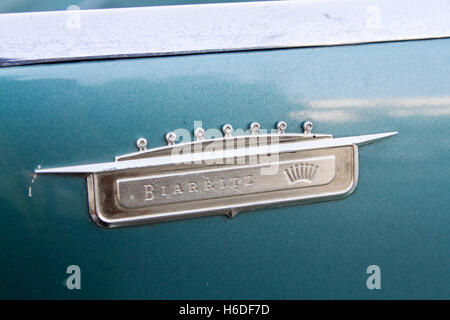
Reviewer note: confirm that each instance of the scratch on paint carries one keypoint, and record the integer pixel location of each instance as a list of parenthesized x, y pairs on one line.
[(30, 188)]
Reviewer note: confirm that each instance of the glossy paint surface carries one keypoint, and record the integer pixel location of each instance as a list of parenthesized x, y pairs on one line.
[(87, 112)]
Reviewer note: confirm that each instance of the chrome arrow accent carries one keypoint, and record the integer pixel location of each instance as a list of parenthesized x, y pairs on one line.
[(312, 144)]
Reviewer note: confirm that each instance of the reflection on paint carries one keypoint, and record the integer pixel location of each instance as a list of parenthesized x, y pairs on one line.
[(347, 110), (329, 116), (400, 102)]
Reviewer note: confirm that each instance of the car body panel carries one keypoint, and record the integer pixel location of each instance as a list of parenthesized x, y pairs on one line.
[(86, 112)]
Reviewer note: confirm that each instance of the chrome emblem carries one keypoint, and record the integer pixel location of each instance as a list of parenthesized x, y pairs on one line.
[(223, 175)]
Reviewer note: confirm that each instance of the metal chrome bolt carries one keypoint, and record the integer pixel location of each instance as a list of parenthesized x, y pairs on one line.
[(307, 127), (199, 134), (171, 137), (141, 143), (254, 128), (227, 130), (281, 126)]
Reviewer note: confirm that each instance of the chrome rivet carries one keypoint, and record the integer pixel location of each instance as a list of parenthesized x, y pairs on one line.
[(307, 127), (171, 137), (227, 130), (281, 126), (199, 134), (141, 143), (254, 128)]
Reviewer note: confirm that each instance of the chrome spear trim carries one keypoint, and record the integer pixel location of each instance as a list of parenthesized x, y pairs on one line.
[(311, 144)]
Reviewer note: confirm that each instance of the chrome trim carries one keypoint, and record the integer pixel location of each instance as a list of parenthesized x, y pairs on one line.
[(224, 175), (72, 35), (214, 155)]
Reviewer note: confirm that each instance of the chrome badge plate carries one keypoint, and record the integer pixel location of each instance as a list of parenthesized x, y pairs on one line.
[(223, 182), (220, 176)]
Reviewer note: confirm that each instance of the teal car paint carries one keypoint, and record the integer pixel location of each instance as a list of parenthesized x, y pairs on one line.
[(86, 112)]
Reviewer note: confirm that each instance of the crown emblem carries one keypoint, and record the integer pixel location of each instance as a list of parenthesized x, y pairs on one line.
[(303, 172)]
